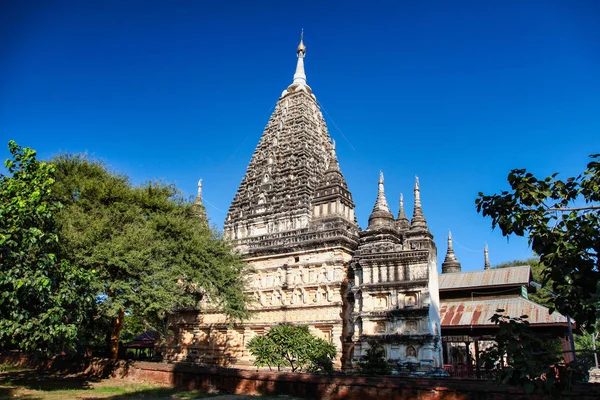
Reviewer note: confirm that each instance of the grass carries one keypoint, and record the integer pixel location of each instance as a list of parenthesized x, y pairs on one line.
[(18, 383), (22, 383)]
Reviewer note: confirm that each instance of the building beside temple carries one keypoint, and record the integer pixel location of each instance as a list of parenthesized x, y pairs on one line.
[(310, 263), (468, 300)]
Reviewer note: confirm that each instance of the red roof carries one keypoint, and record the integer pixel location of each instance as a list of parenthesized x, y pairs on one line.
[(456, 313)]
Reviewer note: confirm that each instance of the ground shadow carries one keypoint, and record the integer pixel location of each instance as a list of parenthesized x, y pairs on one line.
[(6, 393), (160, 393), (46, 381)]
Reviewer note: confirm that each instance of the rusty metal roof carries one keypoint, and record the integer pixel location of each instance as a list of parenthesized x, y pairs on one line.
[(455, 313), (489, 277)]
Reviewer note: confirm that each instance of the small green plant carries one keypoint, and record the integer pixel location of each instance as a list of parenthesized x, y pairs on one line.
[(294, 347), (374, 362)]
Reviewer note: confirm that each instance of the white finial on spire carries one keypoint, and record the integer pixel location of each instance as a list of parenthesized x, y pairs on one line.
[(381, 214), (200, 189), (381, 202), (451, 263), (300, 76), (299, 83), (418, 220), (486, 258)]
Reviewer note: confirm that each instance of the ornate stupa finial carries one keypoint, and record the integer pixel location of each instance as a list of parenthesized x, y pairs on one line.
[(334, 164), (486, 257), (450, 263), (199, 196), (418, 219), (402, 221), (301, 46), (299, 82), (381, 202), (300, 76), (381, 214), (198, 207)]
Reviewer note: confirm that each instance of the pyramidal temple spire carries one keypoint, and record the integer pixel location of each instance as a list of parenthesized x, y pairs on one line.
[(486, 258), (451, 263), (418, 219), (381, 214)]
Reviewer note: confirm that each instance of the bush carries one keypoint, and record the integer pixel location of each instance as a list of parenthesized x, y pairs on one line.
[(374, 362), (294, 347)]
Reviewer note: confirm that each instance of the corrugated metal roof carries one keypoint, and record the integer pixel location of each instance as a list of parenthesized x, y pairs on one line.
[(488, 277), (454, 313)]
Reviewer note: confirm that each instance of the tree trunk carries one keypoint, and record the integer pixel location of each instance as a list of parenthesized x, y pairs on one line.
[(116, 334)]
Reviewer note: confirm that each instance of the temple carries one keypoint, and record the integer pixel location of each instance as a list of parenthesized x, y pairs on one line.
[(309, 263)]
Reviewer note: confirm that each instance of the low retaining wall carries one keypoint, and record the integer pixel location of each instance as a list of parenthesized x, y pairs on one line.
[(311, 386)]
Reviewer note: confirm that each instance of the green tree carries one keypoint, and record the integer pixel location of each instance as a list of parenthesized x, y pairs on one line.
[(374, 362), (521, 358), (149, 251), (42, 297), (294, 347), (561, 219)]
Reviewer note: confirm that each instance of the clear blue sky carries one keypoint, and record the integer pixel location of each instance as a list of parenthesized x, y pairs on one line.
[(456, 92)]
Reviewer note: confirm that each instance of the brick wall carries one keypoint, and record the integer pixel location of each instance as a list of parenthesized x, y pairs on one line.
[(310, 386)]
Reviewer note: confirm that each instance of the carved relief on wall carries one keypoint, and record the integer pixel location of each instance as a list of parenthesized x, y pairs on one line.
[(296, 296), (275, 298), (381, 301), (187, 336), (411, 326), (380, 327), (394, 301), (322, 332), (203, 336), (411, 352), (410, 300)]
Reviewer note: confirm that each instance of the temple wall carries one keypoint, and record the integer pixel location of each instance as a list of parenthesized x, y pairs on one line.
[(300, 288)]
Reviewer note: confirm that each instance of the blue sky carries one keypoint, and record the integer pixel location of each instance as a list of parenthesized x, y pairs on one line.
[(457, 93)]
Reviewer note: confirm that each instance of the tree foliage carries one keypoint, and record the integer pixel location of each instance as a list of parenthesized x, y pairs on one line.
[(561, 219), (294, 347), (374, 362), (149, 252), (42, 297), (520, 358)]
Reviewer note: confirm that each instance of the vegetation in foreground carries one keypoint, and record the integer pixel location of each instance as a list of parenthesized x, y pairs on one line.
[(561, 218), (23, 383), (294, 347), (82, 248)]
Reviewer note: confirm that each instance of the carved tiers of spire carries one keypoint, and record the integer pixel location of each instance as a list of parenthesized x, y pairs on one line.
[(381, 214), (451, 263), (418, 220), (402, 222), (293, 181), (486, 258)]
